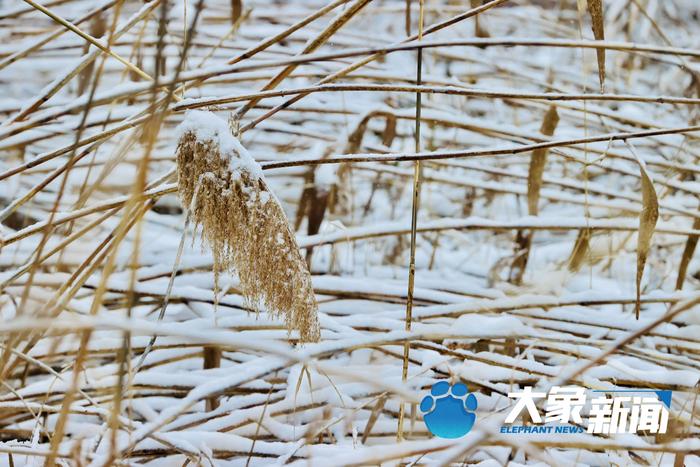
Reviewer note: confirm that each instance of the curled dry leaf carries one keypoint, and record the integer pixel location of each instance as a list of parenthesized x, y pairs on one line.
[(595, 9), (647, 222), (688, 252), (534, 185), (243, 222), (538, 161)]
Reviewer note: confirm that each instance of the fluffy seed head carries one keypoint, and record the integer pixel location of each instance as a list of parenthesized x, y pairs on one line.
[(243, 222)]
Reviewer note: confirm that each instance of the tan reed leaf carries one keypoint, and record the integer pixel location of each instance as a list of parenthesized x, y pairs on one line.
[(595, 9), (243, 222), (479, 30), (538, 161), (578, 253), (688, 252), (98, 27), (534, 186), (389, 130), (647, 222), (236, 10)]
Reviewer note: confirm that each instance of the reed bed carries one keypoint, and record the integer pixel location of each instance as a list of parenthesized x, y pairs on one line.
[(253, 233)]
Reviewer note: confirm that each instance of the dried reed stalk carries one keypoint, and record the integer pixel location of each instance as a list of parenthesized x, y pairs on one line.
[(243, 222), (212, 359), (415, 206)]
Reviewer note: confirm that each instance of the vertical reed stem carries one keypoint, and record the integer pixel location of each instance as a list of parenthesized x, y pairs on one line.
[(414, 221), (212, 359)]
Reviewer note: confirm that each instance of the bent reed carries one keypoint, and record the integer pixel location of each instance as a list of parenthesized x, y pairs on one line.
[(243, 222)]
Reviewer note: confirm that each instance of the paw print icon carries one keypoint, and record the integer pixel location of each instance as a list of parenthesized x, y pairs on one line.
[(448, 411)]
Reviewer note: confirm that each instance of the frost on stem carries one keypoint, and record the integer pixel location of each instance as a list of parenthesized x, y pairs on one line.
[(243, 222)]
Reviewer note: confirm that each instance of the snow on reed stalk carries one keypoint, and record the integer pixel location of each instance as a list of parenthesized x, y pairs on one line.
[(243, 222)]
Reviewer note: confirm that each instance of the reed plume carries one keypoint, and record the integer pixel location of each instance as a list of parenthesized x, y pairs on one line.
[(243, 222)]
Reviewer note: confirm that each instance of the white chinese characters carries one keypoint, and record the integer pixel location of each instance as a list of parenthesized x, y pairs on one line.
[(564, 404), (526, 400), (606, 415), (624, 414)]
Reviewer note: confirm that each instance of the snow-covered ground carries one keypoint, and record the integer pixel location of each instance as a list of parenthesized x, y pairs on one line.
[(323, 96)]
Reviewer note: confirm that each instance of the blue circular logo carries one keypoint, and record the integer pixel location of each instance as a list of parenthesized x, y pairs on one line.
[(448, 411)]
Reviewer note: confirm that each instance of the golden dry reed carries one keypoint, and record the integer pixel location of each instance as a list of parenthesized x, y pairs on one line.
[(243, 222)]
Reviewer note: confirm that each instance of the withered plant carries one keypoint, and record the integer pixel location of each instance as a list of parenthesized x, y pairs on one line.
[(243, 222)]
